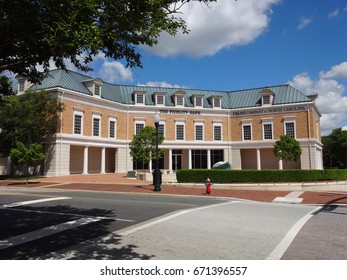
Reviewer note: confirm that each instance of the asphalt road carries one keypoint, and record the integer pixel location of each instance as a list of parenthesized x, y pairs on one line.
[(58, 224), (35, 223)]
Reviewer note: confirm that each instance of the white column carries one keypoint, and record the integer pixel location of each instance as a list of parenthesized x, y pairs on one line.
[(103, 161), (280, 164), (85, 160), (208, 159), (150, 166), (170, 161), (258, 160), (189, 159)]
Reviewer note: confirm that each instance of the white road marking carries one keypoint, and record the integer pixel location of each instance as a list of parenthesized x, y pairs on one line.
[(127, 231), (68, 214), (281, 247), (33, 235), (15, 204)]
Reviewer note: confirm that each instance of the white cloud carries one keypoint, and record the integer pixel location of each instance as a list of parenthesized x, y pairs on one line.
[(115, 71), (304, 22), (111, 71), (334, 14), (220, 25), (332, 99), (161, 84), (337, 71)]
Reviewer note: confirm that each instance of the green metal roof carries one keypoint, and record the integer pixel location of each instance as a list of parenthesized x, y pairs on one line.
[(283, 94)]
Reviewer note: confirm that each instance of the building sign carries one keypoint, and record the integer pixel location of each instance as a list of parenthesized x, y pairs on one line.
[(180, 112), (270, 110)]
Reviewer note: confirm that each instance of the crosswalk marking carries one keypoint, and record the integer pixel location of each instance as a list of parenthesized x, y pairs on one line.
[(15, 204), (44, 232)]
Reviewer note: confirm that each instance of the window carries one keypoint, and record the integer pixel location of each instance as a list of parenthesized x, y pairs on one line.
[(161, 129), (179, 101), (217, 133), (198, 101), (199, 159), (199, 132), (290, 129), (140, 98), (216, 103), (216, 156), (247, 132), (138, 127), (266, 100), (97, 90), (112, 128), (267, 131), (96, 126), (77, 129), (179, 131), (21, 85), (160, 100)]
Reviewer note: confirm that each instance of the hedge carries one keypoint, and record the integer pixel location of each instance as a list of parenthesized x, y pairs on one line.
[(259, 176)]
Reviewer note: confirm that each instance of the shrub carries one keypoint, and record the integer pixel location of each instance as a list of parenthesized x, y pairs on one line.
[(259, 176)]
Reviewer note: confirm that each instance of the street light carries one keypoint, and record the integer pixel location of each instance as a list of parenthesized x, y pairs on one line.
[(156, 172)]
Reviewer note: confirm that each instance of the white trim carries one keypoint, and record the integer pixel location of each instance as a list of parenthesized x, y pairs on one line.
[(289, 120), (199, 123), (267, 122), (139, 121), (81, 114), (243, 130), (184, 130)]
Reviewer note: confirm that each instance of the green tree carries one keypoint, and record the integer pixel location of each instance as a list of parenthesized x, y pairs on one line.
[(287, 148), (335, 149), (5, 87), (28, 118), (32, 156), (34, 31), (142, 147)]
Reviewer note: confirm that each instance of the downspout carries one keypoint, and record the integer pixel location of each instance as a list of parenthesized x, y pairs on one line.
[(309, 137), (127, 140), (61, 133), (228, 123)]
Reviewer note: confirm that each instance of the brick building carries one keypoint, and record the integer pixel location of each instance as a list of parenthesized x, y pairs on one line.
[(201, 127)]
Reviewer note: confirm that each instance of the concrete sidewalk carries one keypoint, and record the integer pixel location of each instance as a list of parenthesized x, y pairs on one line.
[(313, 193)]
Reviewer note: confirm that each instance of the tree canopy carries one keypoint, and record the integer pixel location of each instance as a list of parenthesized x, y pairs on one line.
[(34, 31), (335, 149), (142, 147), (29, 118), (32, 156), (287, 148)]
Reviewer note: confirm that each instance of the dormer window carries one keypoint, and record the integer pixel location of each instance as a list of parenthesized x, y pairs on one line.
[(266, 97), (216, 101), (159, 98), (97, 90), (23, 84), (179, 98), (266, 100), (198, 101), (94, 86), (139, 97)]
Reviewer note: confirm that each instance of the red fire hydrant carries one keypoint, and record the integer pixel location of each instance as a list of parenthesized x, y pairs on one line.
[(208, 186)]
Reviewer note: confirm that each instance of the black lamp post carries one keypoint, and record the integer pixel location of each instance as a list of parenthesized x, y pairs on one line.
[(156, 172)]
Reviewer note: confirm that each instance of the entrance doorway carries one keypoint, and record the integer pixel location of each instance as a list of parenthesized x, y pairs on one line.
[(177, 160)]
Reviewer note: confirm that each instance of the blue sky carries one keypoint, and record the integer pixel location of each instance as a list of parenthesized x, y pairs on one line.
[(251, 43)]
